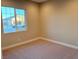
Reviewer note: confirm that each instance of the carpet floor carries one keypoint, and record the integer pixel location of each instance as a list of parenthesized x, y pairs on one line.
[(40, 49)]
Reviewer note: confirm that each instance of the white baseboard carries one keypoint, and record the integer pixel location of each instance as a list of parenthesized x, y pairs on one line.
[(61, 43), (53, 41), (21, 43)]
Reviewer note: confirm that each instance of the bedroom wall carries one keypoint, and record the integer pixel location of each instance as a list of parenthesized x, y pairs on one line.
[(32, 22), (51, 19), (59, 21)]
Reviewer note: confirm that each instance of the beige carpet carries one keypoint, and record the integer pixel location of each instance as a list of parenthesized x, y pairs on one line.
[(40, 49)]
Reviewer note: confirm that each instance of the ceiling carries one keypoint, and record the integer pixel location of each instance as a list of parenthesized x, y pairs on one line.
[(39, 1)]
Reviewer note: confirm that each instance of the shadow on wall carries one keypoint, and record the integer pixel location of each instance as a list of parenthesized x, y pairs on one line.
[(59, 4), (59, 21)]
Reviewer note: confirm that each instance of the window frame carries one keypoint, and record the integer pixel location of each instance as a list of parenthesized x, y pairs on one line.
[(15, 20)]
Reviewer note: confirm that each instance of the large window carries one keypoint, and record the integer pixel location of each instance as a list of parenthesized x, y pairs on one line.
[(13, 19)]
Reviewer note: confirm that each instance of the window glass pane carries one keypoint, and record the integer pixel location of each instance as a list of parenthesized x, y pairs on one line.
[(3, 16), (20, 18), (8, 19), (3, 9), (20, 11)]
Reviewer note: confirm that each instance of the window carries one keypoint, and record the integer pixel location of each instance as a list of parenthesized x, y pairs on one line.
[(20, 19), (13, 19)]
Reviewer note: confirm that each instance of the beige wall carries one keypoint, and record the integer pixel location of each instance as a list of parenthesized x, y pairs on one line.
[(32, 22), (59, 21), (50, 19)]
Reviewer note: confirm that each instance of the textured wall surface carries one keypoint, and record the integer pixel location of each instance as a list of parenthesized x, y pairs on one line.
[(54, 19), (32, 19), (59, 21)]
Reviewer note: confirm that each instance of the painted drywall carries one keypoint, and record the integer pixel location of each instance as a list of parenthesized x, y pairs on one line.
[(54, 20), (32, 12), (59, 21)]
